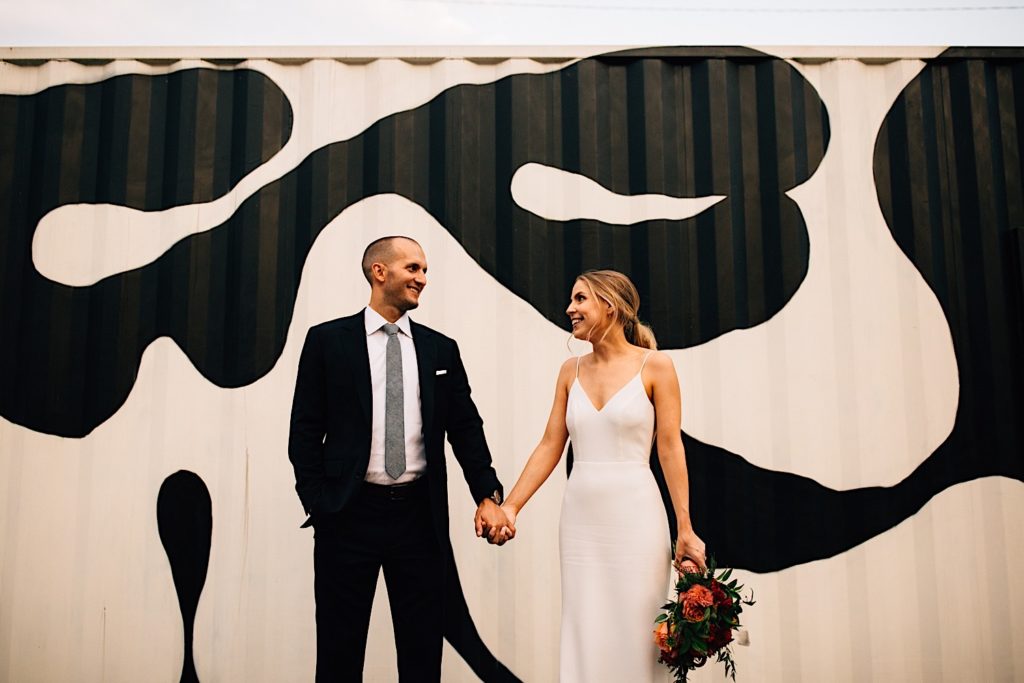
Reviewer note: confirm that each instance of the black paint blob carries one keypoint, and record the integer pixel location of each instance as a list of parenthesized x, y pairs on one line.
[(185, 519), (680, 123)]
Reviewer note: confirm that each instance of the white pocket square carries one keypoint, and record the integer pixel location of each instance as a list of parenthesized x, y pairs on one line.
[(441, 372)]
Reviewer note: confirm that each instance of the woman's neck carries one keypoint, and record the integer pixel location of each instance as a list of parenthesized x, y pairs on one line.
[(611, 345)]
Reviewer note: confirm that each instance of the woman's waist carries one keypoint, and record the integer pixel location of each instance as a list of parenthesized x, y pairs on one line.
[(635, 462), (612, 472)]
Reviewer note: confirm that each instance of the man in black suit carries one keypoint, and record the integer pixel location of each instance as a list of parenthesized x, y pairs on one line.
[(374, 398)]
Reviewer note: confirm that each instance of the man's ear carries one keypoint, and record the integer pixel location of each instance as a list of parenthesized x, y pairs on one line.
[(379, 271)]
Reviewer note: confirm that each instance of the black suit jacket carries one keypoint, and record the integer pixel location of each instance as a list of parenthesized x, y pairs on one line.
[(329, 440)]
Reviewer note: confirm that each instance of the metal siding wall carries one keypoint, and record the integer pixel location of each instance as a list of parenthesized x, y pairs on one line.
[(849, 368)]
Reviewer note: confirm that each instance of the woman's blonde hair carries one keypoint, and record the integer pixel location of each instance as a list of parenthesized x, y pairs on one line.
[(619, 292)]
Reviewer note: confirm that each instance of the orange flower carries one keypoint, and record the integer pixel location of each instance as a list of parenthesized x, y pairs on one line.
[(699, 595), (661, 635), (694, 601), (693, 612)]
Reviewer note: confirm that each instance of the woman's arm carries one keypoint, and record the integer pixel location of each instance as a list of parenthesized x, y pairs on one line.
[(548, 452), (664, 384)]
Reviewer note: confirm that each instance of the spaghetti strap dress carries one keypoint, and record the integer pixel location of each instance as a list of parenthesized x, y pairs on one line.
[(613, 540)]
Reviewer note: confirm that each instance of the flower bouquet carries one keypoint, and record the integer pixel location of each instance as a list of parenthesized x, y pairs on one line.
[(700, 622)]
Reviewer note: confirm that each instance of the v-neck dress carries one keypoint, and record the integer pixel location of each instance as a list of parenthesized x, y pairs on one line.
[(613, 539)]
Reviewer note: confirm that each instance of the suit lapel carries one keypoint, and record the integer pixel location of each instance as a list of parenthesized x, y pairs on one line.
[(356, 346), (425, 362)]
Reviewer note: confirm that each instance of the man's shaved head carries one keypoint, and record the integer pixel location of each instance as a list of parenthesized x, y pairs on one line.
[(381, 251)]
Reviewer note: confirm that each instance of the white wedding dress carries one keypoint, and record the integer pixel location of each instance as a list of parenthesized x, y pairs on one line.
[(614, 541)]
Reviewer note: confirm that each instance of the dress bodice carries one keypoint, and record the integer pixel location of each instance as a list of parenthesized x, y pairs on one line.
[(622, 431)]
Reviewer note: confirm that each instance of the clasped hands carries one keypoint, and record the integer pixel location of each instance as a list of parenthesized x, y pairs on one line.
[(496, 524)]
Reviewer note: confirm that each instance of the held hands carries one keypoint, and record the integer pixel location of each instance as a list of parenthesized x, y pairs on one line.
[(507, 532), (689, 551), (493, 522)]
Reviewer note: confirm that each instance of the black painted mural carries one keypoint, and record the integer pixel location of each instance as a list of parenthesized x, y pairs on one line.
[(678, 122), (950, 183), (184, 514), (746, 127), (70, 355)]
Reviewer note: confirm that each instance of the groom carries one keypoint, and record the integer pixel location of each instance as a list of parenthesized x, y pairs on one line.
[(374, 398)]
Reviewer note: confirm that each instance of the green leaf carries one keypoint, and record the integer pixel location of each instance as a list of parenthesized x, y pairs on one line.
[(661, 619)]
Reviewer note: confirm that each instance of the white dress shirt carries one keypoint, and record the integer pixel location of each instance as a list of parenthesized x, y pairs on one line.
[(376, 347)]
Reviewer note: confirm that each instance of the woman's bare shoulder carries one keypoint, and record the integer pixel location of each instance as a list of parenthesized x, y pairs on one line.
[(568, 366), (660, 363), (567, 371)]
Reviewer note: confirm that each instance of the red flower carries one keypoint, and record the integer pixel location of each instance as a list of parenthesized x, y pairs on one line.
[(671, 657), (718, 637), (720, 598)]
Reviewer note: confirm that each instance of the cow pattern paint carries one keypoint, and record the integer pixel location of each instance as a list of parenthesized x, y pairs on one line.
[(740, 124)]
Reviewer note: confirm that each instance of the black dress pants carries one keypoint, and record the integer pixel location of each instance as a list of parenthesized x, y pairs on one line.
[(387, 527)]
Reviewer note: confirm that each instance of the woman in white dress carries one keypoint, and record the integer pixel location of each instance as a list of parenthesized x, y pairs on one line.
[(613, 533)]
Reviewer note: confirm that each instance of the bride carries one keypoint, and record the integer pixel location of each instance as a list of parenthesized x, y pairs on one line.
[(613, 533)]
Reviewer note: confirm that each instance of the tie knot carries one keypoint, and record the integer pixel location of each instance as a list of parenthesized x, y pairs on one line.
[(391, 329)]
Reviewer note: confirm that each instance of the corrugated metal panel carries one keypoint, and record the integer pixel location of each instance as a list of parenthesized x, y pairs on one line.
[(849, 368)]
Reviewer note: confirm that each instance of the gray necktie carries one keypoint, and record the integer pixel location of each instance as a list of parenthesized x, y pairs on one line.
[(394, 406)]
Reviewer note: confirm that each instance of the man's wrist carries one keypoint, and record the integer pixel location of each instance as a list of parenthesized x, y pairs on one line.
[(495, 497)]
